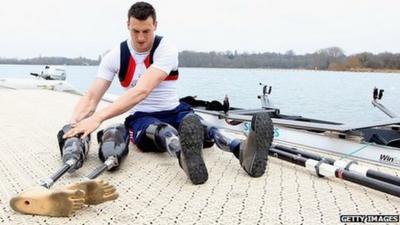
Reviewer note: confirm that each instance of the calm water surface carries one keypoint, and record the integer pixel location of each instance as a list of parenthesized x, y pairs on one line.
[(337, 96)]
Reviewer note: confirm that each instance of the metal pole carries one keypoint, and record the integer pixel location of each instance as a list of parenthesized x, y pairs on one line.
[(59, 173), (322, 169), (351, 166)]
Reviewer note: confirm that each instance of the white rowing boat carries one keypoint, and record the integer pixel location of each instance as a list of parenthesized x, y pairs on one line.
[(345, 145), (377, 142)]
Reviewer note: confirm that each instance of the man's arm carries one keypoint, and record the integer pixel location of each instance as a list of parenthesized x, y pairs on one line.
[(146, 83), (89, 101)]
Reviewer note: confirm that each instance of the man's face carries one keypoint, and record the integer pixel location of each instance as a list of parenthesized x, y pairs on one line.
[(142, 33)]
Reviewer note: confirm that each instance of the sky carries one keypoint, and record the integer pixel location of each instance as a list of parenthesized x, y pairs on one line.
[(88, 28)]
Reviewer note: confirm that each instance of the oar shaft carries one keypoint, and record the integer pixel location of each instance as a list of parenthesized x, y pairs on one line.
[(303, 153), (369, 182), (326, 169), (388, 178), (384, 177)]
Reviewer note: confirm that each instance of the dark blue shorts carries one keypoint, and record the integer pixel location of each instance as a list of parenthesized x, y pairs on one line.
[(139, 121)]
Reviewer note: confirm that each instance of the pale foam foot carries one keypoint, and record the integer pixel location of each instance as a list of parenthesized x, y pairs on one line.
[(45, 202), (96, 191)]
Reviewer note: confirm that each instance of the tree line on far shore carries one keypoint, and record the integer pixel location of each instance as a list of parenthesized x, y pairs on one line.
[(332, 58), (325, 59), (50, 61)]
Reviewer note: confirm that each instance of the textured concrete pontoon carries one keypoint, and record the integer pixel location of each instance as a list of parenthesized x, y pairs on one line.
[(152, 187)]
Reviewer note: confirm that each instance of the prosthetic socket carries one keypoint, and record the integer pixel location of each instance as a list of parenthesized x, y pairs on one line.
[(114, 145), (73, 150), (223, 142), (165, 137)]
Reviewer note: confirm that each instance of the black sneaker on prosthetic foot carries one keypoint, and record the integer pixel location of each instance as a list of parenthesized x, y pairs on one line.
[(253, 153), (191, 136)]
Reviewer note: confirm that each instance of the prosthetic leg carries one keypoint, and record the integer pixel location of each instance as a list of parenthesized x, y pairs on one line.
[(73, 152), (114, 147), (66, 200), (223, 142), (252, 152), (191, 158), (62, 202), (187, 146), (165, 137)]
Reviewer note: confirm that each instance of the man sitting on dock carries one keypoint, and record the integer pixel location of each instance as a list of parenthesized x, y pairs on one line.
[(147, 67)]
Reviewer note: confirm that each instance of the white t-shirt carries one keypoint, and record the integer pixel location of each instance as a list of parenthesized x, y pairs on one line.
[(164, 96)]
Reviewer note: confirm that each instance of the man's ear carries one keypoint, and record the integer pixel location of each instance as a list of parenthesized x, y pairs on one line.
[(155, 25)]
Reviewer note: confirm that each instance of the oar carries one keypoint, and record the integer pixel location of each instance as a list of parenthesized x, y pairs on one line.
[(322, 168), (351, 166)]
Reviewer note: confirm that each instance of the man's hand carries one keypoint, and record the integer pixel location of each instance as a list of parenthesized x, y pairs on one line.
[(84, 127)]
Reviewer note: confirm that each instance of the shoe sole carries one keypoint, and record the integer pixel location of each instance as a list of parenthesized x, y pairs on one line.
[(262, 126), (191, 136)]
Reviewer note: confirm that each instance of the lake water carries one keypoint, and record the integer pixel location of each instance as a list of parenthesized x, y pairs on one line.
[(337, 96)]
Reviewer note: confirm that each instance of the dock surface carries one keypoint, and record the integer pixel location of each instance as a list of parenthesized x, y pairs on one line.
[(153, 188)]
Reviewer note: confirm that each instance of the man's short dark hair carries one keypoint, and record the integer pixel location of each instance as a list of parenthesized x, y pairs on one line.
[(142, 11)]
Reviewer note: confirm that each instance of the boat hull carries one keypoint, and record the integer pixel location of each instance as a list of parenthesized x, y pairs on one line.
[(351, 147)]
